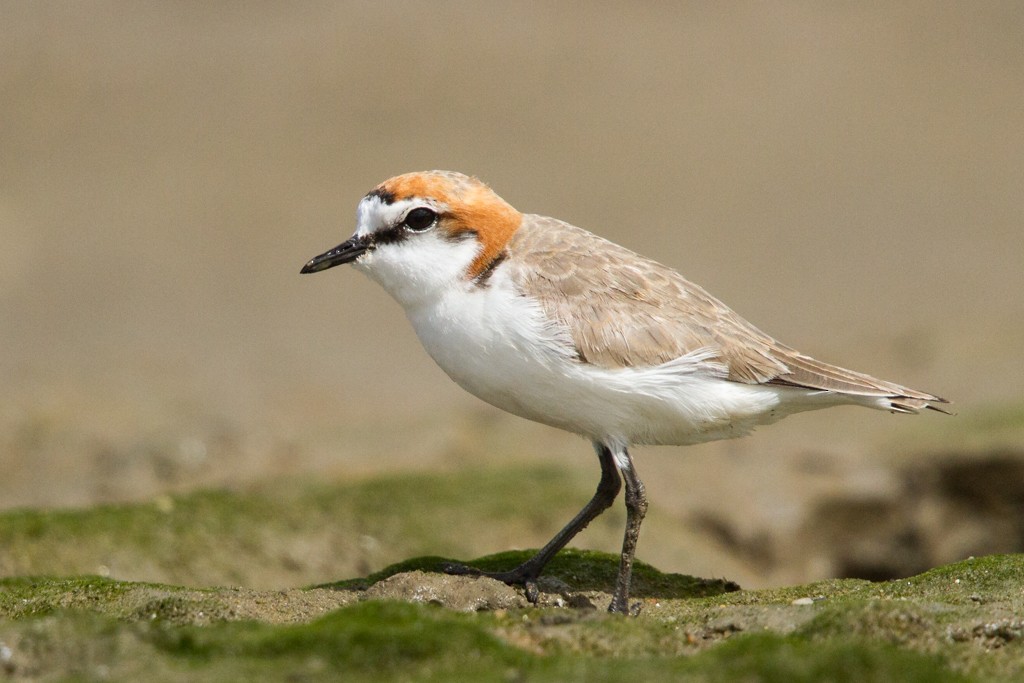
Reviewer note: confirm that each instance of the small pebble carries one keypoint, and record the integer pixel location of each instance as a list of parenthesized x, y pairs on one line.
[(803, 601)]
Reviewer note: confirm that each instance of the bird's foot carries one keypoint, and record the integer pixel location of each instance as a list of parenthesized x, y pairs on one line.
[(620, 605), (523, 575)]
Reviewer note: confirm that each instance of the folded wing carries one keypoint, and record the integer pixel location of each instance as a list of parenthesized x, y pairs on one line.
[(624, 310)]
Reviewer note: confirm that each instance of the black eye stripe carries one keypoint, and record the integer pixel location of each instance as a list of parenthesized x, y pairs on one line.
[(390, 236)]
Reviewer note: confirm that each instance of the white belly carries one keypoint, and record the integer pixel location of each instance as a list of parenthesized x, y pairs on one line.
[(498, 347)]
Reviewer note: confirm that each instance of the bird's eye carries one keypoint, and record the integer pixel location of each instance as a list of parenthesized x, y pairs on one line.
[(420, 219)]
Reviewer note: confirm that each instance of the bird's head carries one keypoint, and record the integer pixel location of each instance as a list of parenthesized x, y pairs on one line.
[(423, 232)]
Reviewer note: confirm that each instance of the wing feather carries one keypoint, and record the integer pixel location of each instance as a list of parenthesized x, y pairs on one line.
[(624, 310)]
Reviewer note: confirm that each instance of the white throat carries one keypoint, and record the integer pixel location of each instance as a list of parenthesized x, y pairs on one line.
[(421, 268)]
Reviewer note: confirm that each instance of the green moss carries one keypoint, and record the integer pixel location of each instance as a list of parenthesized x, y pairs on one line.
[(769, 658), (382, 638), (383, 641), (961, 617), (24, 596), (966, 580), (582, 570), (894, 622), (221, 537), (180, 609)]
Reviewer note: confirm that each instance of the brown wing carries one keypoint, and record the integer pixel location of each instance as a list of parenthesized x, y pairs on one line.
[(624, 310)]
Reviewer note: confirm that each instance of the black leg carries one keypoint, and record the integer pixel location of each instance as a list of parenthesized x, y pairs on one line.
[(527, 573), (636, 508)]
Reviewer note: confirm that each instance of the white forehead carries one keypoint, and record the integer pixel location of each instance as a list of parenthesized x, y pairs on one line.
[(374, 214)]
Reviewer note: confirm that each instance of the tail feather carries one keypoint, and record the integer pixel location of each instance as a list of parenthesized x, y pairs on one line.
[(808, 373), (902, 404)]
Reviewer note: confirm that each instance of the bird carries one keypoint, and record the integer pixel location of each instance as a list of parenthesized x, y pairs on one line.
[(555, 324)]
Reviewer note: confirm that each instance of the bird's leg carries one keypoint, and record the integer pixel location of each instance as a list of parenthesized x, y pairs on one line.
[(526, 574), (636, 508)]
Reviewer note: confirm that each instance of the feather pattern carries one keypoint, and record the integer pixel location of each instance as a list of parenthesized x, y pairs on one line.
[(623, 310)]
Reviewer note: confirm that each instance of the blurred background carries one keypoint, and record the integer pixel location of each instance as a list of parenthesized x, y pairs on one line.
[(847, 176)]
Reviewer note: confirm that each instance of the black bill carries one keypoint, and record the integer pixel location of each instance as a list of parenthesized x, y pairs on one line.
[(346, 252)]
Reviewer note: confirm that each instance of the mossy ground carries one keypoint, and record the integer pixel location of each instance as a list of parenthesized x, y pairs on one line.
[(957, 622)]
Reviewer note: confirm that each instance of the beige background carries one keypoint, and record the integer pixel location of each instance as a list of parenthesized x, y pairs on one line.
[(847, 176)]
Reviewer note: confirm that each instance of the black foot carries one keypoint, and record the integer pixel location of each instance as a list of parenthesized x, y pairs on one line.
[(619, 606), (522, 575)]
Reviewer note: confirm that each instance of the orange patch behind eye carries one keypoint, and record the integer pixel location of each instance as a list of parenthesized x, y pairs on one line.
[(494, 222), (471, 206)]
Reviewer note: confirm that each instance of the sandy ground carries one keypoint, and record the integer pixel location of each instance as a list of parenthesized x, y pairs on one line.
[(848, 178)]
